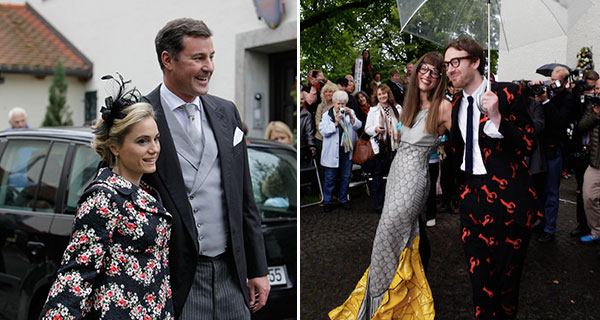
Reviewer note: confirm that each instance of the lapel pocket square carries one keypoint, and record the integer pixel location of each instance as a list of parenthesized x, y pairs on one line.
[(238, 134)]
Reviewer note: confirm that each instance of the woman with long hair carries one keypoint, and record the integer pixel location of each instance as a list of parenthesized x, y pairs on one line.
[(395, 286), (381, 126)]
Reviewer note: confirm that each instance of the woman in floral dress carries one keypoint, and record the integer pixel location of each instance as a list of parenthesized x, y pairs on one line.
[(116, 263)]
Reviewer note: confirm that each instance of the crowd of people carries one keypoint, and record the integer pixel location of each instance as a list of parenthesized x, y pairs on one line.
[(502, 168)]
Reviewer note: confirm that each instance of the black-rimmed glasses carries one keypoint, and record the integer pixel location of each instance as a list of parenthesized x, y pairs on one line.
[(454, 62), (423, 69)]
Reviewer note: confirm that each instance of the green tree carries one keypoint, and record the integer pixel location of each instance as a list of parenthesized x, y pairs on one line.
[(57, 112), (334, 32)]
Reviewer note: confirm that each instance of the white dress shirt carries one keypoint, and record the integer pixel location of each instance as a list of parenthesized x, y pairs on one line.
[(173, 102), (489, 128)]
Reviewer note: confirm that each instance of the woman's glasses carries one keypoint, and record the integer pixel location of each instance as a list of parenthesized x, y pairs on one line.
[(423, 69)]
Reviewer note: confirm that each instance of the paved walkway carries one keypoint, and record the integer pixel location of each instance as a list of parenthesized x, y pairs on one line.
[(561, 280)]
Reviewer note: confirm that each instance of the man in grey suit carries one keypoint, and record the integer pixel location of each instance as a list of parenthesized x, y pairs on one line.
[(217, 254)]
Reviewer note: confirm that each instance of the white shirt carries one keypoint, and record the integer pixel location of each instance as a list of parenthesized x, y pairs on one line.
[(489, 128), (173, 102)]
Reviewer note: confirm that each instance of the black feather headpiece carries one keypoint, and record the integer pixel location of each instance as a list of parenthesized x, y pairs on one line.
[(115, 104)]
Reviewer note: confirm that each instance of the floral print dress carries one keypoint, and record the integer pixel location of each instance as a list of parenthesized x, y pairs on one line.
[(116, 263)]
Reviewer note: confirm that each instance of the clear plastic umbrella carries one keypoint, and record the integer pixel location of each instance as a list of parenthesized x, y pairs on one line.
[(495, 24)]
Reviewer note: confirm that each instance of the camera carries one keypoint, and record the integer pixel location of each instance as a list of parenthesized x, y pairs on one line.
[(546, 86), (592, 99)]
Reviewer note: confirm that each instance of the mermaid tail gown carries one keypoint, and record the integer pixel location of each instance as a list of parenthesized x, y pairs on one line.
[(394, 286)]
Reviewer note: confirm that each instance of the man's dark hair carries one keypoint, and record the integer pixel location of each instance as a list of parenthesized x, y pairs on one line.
[(394, 72), (342, 81), (591, 75), (472, 47), (170, 37)]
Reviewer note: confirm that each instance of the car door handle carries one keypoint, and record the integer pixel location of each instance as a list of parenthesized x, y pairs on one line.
[(35, 247)]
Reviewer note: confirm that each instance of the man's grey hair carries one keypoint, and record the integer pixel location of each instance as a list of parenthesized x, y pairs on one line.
[(16, 110)]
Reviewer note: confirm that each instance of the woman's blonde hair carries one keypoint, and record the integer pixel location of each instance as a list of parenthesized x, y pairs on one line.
[(115, 135), (279, 127)]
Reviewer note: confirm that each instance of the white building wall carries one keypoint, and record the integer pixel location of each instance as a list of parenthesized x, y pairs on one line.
[(119, 36), (521, 63), (31, 94)]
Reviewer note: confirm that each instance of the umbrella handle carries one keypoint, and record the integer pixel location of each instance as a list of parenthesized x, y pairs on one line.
[(488, 48)]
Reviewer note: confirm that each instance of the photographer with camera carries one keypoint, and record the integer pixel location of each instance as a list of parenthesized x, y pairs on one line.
[(314, 84), (557, 104), (583, 91), (590, 122)]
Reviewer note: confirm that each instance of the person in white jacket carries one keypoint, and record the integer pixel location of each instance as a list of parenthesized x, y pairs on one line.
[(381, 126), (338, 127)]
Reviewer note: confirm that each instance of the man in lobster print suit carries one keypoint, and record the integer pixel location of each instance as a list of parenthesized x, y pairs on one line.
[(497, 200)]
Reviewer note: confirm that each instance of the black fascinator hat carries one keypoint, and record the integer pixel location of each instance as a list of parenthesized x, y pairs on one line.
[(116, 103)]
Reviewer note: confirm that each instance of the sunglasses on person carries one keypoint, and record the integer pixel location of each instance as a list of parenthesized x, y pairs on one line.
[(423, 69), (454, 62)]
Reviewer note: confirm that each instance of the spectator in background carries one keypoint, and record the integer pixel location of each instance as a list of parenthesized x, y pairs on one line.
[(279, 131), (582, 156), (372, 88), (364, 105), (366, 70), (326, 102), (17, 118), (409, 69), (591, 182), (344, 85), (315, 82), (351, 87), (434, 172), (307, 136), (536, 162), (557, 105), (338, 128), (385, 138), (396, 87)]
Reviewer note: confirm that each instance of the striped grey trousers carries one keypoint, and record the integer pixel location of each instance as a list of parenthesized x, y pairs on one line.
[(215, 293)]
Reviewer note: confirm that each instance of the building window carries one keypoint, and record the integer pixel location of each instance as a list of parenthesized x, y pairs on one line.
[(90, 108)]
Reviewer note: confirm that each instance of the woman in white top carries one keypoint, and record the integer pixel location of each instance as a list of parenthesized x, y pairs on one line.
[(381, 126)]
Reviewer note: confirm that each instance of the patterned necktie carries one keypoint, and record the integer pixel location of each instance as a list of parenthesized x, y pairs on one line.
[(469, 142), (193, 123)]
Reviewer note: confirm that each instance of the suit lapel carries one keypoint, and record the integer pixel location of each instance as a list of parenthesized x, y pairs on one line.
[(168, 168)]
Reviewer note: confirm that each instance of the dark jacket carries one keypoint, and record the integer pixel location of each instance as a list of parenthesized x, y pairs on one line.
[(245, 235), (556, 117), (537, 161), (307, 129), (504, 159), (591, 122), (397, 91)]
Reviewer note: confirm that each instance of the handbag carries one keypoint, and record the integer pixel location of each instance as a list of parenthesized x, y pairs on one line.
[(363, 150)]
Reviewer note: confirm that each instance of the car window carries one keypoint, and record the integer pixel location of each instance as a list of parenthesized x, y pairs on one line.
[(20, 170), (46, 199), (273, 173), (83, 171)]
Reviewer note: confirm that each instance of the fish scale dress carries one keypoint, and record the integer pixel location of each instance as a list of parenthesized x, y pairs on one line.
[(394, 286)]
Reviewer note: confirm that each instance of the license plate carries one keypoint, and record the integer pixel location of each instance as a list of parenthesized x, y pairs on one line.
[(277, 275)]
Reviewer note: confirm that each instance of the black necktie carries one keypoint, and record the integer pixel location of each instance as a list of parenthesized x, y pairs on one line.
[(469, 142)]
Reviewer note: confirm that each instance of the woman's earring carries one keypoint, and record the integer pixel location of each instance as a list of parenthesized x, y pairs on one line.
[(116, 166)]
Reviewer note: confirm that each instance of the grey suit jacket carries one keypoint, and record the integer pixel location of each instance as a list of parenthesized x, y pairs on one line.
[(245, 235)]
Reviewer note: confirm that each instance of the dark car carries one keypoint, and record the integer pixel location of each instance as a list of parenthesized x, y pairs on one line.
[(44, 172)]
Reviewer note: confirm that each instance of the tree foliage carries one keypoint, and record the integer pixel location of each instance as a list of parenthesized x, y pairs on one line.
[(334, 32), (57, 112)]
